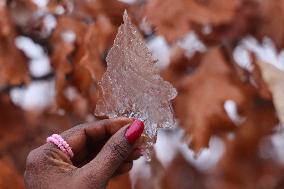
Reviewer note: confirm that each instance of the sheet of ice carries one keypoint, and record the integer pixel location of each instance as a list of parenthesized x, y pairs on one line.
[(132, 86)]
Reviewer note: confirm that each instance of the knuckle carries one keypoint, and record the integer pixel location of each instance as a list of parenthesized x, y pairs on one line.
[(119, 150), (31, 164), (31, 159)]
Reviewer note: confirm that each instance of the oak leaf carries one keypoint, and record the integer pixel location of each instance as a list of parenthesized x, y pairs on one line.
[(174, 18)]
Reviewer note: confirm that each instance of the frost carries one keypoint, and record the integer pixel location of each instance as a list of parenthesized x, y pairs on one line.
[(132, 87)]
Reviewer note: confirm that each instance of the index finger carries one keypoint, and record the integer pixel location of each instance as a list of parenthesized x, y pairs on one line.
[(105, 128), (78, 136)]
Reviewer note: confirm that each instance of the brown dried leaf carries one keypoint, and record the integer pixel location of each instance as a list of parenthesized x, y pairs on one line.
[(274, 79), (23, 14), (242, 163), (258, 18), (175, 18), (13, 65), (181, 174), (61, 54), (9, 176), (113, 9), (271, 21), (12, 122), (97, 39), (212, 84), (79, 62), (122, 181)]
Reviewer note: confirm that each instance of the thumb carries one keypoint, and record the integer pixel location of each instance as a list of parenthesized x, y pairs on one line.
[(114, 152)]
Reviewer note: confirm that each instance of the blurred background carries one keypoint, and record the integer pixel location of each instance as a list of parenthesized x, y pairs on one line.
[(224, 57)]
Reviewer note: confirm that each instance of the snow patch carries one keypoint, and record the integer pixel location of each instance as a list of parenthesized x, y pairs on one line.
[(140, 169), (160, 51), (230, 107), (265, 51), (68, 36), (37, 95), (278, 144), (191, 44), (39, 64), (41, 3), (242, 58), (71, 93), (50, 23), (207, 29), (128, 1), (169, 144), (59, 10), (145, 26)]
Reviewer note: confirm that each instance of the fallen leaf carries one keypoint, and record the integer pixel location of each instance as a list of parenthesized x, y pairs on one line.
[(13, 64), (176, 18), (213, 82), (274, 78)]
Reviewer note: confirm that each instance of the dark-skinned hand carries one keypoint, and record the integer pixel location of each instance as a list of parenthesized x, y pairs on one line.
[(102, 150)]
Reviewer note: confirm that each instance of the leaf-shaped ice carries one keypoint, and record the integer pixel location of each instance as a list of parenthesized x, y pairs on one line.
[(132, 86)]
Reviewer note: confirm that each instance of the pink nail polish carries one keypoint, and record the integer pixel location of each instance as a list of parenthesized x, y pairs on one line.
[(134, 131)]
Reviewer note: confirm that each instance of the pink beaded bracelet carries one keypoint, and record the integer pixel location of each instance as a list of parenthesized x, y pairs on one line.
[(61, 144)]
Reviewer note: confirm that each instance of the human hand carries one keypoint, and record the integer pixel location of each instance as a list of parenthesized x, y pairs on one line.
[(102, 149)]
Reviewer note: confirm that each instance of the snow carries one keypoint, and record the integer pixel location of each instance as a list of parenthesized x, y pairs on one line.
[(207, 29), (169, 144), (37, 95), (140, 170), (242, 57), (49, 22), (265, 51), (145, 26), (41, 3), (68, 36), (128, 1), (39, 64), (160, 51), (71, 93), (191, 44), (277, 140), (230, 107), (59, 10)]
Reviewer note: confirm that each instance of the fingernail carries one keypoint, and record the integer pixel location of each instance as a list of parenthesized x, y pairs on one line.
[(134, 131)]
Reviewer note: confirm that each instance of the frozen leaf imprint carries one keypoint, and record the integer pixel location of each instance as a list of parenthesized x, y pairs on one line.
[(132, 86)]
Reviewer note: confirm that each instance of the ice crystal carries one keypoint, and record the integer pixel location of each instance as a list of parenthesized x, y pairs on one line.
[(132, 86)]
